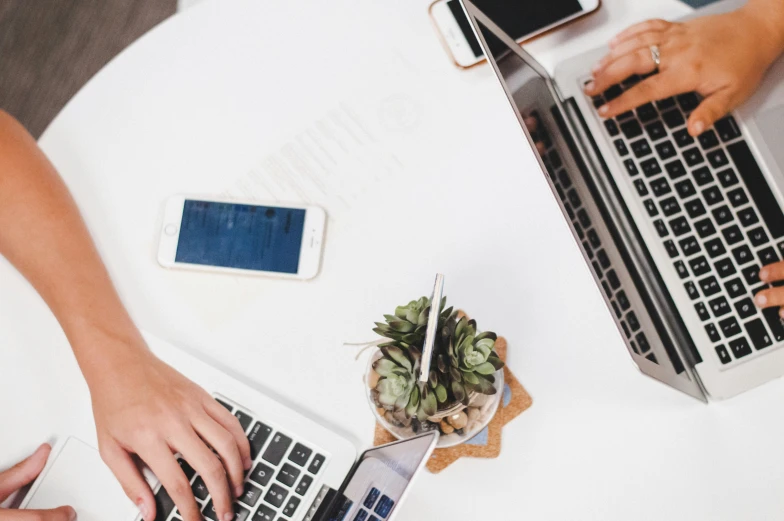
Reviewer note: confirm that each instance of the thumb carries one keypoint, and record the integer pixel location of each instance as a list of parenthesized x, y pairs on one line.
[(54, 514), (712, 108), (130, 477), (24, 472)]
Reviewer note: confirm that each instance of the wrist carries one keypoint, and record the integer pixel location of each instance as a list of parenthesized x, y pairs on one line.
[(766, 18)]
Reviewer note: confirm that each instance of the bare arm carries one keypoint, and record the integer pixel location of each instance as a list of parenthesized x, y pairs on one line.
[(142, 407)]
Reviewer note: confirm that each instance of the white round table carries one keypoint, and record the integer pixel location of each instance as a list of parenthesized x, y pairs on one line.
[(442, 182)]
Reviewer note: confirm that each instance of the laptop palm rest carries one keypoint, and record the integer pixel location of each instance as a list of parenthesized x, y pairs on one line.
[(77, 476)]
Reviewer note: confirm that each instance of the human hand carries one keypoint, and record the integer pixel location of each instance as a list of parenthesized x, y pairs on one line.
[(23, 474), (143, 408), (722, 57), (773, 296), (532, 124)]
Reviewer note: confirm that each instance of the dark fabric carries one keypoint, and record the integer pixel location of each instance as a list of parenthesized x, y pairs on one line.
[(50, 48)]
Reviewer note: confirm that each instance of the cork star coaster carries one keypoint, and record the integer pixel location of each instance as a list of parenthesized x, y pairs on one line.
[(487, 443)]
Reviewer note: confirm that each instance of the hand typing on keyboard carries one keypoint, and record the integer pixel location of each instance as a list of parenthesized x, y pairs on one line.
[(773, 297), (23, 474), (721, 57)]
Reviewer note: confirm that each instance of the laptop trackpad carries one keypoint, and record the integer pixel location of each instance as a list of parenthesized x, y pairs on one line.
[(77, 476), (770, 122)]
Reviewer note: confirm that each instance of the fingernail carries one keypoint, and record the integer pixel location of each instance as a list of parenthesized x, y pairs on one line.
[(248, 464), (699, 127), (145, 511), (760, 300), (589, 86), (604, 109), (596, 67), (71, 514), (763, 274), (228, 517)]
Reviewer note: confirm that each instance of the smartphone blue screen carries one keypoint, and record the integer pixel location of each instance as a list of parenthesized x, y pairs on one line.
[(241, 236)]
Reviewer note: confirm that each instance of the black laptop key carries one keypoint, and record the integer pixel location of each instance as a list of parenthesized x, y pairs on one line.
[(685, 188), (618, 313), (612, 127), (688, 101), (250, 495), (724, 355), (745, 308), (631, 81), (585, 221), (651, 207), (710, 286), (262, 474), (276, 495), (555, 159), (291, 506), (712, 195), (643, 343), (631, 129), (704, 227), (603, 259), (742, 254), (670, 206), (748, 216), (655, 130), (277, 448), (244, 418), (563, 177), (623, 300), (225, 405), (672, 251), (665, 150), (680, 226), (683, 138), (304, 485), (727, 178), (699, 266), (163, 504), (727, 128), (768, 256), (199, 489), (758, 334), (666, 103), (732, 234), (264, 513), (660, 187), (318, 459), (661, 228), (258, 437), (735, 288), (702, 311), (288, 475), (646, 112), (620, 146), (751, 275), (715, 248), (613, 92), (675, 169), (717, 158), (757, 236), (186, 469), (703, 176), (740, 347), (708, 140), (625, 115), (300, 454), (384, 506), (640, 186), (681, 269), (723, 215), (774, 323), (690, 246), (725, 267), (713, 333), (371, 498), (240, 513), (650, 167), (693, 156), (719, 306), (737, 197), (574, 199), (673, 118), (631, 168), (729, 327), (691, 289), (593, 238), (598, 101), (612, 278), (758, 188), (695, 208), (641, 148)]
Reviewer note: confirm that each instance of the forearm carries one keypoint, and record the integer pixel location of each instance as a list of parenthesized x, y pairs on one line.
[(43, 235), (768, 19)]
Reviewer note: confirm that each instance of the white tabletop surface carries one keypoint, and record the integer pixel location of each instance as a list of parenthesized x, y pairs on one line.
[(202, 102)]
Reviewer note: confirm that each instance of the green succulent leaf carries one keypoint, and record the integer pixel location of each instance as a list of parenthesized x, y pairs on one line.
[(487, 334), (486, 368), (429, 404), (384, 366), (441, 394), (458, 391), (398, 355)]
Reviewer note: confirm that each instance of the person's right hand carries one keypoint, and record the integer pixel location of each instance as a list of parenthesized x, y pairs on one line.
[(722, 57), (23, 474)]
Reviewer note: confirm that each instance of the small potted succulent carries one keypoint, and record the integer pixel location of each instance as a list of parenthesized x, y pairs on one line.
[(462, 391)]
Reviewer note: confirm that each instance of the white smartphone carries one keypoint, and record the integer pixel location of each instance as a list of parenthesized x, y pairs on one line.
[(521, 19), (242, 237)]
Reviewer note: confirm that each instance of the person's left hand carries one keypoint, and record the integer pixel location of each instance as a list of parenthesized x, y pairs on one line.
[(773, 296)]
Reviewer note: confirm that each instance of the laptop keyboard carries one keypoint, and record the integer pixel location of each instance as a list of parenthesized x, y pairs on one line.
[(284, 470), (713, 210), (592, 244), (375, 507)]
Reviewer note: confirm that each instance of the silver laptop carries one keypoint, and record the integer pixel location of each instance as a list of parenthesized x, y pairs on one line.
[(301, 470), (675, 229)]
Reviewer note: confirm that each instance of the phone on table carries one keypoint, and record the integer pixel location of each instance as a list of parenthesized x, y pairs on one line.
[(521, 19), (239, 237)]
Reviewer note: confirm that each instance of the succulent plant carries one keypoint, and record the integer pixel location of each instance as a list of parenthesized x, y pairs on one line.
[(463, 361)]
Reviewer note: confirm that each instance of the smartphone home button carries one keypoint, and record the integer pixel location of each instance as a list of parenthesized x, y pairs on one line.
[(170, 229)]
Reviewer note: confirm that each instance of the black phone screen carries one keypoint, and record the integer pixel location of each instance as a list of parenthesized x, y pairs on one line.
[(517, 18)]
